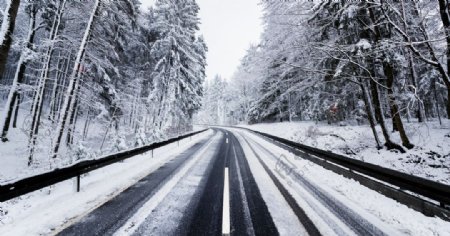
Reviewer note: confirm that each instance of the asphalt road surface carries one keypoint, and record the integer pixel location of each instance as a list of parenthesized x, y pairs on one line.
[(196, 202)]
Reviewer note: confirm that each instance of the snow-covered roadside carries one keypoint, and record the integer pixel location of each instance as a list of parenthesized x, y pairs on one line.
[(385, 213), (42, 213), (429, 159), (14, 153)]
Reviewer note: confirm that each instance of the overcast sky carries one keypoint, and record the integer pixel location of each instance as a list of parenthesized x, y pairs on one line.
[(229, 27)]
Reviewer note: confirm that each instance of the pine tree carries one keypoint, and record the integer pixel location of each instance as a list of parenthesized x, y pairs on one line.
[(177, 76)]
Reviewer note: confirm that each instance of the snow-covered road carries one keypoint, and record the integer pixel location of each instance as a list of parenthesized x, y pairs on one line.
[(269, 192)]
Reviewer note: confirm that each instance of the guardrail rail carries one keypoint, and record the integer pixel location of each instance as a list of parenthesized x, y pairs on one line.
[(434, 199), (30, 184)]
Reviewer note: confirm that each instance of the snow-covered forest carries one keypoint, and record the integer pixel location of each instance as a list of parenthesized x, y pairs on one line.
[(86, 78), (373, 62), (383, 65)]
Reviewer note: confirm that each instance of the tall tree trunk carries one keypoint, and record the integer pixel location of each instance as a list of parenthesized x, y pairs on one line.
[(445, 17), (379, 112), (72, 122), (38, 103), (7, 30), (54, 93), (374, 86), (448, 102), (18, 80), (16, 111), (419, 112), (412, 69), (69, 102), (39, 96), (436, 99), (86, 124), (58, 104), (370, 113), (389, 72)]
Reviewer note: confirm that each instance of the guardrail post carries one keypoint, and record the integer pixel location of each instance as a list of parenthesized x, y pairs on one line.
[(152, 153), (77, 183)]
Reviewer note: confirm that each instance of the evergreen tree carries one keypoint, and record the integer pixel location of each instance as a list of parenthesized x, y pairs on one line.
[(179, 71)]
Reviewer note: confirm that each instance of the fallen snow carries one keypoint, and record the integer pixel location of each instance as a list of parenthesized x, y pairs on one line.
[(429, 159), (14, 153)]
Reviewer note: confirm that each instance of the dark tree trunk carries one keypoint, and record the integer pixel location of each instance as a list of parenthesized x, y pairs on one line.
[(448, 103), (71, 126), (8, 117), (445, 17), (379, 115), (369, 111), (397, 120), (374, 86), (394, 124), (16, 112), (18, 80), (436, 99), (6, 44)]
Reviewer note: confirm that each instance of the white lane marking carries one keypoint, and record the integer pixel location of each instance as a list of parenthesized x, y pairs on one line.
[(227, 140), (226, 229), (139, 217)]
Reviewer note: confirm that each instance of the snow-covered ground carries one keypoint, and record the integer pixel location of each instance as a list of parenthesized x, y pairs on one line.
[(100, 141), (46, 211), (430, 158)]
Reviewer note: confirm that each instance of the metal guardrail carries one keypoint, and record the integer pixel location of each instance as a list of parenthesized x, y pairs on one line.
[(370, 175), (30, 184)]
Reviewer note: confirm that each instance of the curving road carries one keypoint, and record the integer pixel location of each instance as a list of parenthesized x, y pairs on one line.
[(186, 196)]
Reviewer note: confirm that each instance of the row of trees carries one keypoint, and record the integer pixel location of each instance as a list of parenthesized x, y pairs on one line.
[(366, 61), (70, 66)]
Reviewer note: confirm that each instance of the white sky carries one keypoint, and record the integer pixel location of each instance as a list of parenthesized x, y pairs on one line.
[(229, 27)]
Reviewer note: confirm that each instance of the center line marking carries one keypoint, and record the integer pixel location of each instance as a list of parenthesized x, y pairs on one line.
[(226, 205)]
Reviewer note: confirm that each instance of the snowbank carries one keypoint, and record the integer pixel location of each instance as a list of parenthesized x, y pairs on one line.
[(429, 159)]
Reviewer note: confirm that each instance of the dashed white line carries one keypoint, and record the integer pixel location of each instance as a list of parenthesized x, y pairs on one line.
[(226, 229)]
